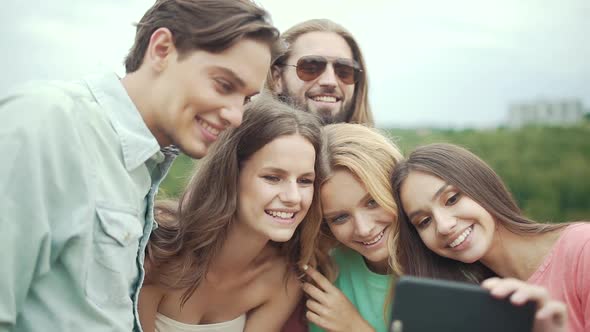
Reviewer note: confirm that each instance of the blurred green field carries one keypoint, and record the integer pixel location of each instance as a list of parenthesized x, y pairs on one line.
[(546, 168)]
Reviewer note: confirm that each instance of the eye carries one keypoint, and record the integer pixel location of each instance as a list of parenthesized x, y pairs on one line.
[(247, 99), (271, 178), (371, 204), (224, 86), (423, 223), (340, 219), (453, 199), (306, 181)]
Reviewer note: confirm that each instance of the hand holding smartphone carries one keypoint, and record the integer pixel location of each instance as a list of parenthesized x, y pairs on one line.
[(424, 305)]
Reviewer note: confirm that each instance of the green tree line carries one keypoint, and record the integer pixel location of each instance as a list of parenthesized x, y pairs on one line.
[(546, 168)]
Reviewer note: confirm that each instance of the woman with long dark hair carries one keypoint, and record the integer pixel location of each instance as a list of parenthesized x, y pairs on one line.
[(226, 256), (459, 221)]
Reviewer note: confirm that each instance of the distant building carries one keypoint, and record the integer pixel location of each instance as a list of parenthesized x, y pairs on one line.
[(546, 112)]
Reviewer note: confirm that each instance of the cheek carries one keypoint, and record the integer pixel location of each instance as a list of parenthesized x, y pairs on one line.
[(306, 197), (340, 232), (428, 239)]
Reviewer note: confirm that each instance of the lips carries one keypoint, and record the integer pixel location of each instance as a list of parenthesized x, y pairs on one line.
[(375, 239), (461, 237)]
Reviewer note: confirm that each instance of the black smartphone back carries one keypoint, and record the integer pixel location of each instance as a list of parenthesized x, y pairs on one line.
[(424, 305)]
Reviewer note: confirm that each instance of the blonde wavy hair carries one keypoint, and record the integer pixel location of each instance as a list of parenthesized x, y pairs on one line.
[(370, 157)]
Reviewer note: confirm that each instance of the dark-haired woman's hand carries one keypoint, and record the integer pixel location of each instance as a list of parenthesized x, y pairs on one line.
[(329, 308), (551, 315)]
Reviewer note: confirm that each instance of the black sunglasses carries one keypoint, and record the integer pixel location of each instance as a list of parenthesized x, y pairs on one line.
[(310, 67)]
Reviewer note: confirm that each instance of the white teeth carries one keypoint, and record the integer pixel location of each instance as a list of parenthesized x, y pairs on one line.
[(326, 99), (461, 237), (207, 127), (376, 239), (282, 215)]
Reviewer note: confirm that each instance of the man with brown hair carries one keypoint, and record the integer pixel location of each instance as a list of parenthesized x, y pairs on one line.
[(322, 71), (82, 161)]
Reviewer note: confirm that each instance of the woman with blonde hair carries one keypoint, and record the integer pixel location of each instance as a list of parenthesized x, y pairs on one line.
[(358, 216), (226, 256)]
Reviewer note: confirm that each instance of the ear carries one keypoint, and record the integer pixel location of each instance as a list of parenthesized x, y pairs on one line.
[(277, 78), (160, 49)]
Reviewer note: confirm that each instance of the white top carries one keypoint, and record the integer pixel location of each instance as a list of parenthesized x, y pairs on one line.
[(166, 324)]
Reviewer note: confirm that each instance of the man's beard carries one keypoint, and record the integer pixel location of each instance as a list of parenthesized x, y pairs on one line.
[(342, 115)]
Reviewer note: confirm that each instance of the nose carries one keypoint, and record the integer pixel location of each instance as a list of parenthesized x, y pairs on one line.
[(445, 223), (328, 77), (363, 225), (231, 115), (290, 194)]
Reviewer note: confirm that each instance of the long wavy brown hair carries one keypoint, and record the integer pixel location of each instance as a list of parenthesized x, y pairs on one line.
[(475, 179), (191, 232), (370, 157), (361, 109)]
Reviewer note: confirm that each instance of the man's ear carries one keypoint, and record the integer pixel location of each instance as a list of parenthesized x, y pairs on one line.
[(160, 49), (277, 79)]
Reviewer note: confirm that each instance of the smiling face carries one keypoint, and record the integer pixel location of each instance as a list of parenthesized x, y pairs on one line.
[(450, 224), (275, 187), (202, 93), (355, 218), (326, 95)]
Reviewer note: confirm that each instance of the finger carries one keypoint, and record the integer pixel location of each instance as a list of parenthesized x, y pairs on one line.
[(504, 287), (527, 293), (316, 308), (319, 278), (317, 320), (553, 311), (490, 282), (314, 292)]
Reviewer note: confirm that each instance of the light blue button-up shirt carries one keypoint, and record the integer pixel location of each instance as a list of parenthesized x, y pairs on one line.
[(78, 176)]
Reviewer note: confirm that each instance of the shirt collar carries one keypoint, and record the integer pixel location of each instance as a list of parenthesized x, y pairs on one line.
[(137, 141)]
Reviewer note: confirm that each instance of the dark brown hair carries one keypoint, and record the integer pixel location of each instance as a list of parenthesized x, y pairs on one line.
[(361, 109), (472, 177), (210, 25), (190, 235)]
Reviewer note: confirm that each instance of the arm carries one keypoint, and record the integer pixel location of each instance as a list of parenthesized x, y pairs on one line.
[(329, 308), (150, 297), (271, 315), (44, 188), (583, 273)]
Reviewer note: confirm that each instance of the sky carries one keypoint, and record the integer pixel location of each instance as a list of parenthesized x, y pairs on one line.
[(452, 63)]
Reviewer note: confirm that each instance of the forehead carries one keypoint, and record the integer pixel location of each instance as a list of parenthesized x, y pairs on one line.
[(321, 43), (341, 191), (248, 59), (291, 152), (420, 187)]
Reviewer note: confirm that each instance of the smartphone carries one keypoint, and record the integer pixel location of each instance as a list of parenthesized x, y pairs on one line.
[(429, 305)]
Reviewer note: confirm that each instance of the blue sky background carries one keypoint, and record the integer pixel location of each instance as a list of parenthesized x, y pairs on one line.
[(453, 63)]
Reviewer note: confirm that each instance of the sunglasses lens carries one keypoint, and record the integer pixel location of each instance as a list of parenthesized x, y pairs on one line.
[(346, 71), (309, 68)]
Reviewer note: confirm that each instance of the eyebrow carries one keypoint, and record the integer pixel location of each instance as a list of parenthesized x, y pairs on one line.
[(333, 213), (434, 197), (282, 171), (233, 76)]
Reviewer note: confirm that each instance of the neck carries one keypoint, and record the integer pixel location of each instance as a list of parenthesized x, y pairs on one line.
[(381, 267), (141, 94), (240, 250), (516, 255)]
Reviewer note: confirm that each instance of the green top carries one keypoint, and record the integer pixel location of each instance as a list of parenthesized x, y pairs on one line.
[(79, 171), (366, 290)]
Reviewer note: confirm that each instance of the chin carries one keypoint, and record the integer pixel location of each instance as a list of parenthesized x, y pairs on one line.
[(282, 237), (196, 152)]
